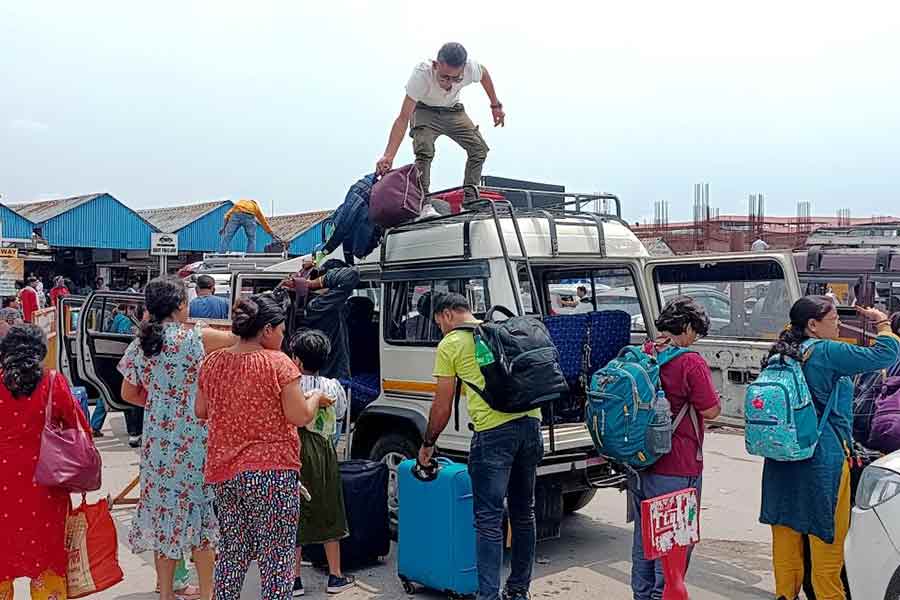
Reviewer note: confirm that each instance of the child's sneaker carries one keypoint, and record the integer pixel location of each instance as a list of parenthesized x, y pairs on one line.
[(336, 585), (298, 588)]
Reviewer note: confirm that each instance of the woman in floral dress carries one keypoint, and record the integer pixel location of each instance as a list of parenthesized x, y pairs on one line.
[(160, 368)]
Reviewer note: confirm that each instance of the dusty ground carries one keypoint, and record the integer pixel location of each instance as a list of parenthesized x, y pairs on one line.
[(590, 560)]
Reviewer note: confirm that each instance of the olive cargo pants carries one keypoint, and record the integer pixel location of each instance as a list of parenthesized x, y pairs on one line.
[(429, 123)]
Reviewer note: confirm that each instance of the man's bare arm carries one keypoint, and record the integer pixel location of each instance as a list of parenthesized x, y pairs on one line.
[(398, 130)]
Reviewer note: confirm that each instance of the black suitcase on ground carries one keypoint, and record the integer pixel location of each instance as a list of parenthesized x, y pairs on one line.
[(365, 484)]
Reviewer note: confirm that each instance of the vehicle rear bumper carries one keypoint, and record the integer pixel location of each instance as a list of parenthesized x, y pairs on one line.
[(580, 471)]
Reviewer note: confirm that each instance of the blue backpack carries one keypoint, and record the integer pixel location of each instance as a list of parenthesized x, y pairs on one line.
[(619, 409), (781, 419)]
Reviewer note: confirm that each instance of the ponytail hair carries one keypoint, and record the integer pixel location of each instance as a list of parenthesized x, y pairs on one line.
[(163, 296), (792, 337), (22, 352)]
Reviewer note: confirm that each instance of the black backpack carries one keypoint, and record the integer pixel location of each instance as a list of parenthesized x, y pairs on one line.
[(525, 373)]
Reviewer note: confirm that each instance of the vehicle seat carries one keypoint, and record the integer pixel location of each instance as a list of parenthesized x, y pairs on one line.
[(610, 331), (365, 388), (568, 333)]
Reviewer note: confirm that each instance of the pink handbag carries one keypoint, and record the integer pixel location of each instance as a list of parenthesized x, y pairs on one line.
[(396, 198), (68, 457)]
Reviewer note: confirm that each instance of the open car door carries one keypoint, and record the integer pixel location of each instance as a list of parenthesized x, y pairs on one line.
[(747, 297), (67, 312), (107, 323)]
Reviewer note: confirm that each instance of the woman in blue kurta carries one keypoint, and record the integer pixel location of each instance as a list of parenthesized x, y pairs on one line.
[(812, 497)]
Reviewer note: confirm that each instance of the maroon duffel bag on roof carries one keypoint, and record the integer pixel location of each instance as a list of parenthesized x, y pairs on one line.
[(396, 198)]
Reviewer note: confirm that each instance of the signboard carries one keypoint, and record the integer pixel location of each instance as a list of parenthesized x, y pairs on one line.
[(11, 270), (9, 253), (669, 522), (164, 244)]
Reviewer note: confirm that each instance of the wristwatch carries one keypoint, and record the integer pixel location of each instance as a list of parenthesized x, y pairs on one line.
[(428, 444), (498, 105)]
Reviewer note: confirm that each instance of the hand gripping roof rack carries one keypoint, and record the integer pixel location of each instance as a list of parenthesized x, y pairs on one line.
[(569, 208)]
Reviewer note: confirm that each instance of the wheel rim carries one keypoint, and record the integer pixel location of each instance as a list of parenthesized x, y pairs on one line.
[(393, 460)]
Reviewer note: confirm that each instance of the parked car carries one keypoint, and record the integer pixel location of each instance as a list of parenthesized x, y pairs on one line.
[(872, 549)]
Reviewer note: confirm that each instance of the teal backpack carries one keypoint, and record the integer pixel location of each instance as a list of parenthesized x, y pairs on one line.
[(781, 419), (619, 409)]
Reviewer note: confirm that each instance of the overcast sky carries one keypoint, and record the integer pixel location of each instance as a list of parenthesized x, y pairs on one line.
[(291, 102)]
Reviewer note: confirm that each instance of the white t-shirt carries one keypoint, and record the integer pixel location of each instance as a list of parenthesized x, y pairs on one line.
[(423, 84)]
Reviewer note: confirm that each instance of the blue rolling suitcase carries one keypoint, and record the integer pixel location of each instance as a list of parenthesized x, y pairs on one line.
[(436, 536)]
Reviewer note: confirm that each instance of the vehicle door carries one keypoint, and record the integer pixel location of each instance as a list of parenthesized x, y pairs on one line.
[(67, 314), (107, 323), (410, 337), (748, 298)]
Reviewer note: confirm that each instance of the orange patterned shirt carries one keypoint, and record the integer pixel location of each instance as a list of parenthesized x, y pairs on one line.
[(247, 427)]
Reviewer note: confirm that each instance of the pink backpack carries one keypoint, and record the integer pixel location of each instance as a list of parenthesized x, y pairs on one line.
[(397, 197)]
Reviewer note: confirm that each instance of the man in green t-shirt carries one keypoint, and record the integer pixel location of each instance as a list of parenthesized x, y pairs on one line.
[(503, 458)]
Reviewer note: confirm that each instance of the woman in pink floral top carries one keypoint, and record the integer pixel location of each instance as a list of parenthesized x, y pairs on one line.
[(160, 369)]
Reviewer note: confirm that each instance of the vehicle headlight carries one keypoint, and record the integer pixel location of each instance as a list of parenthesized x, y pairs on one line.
[(876, 486)]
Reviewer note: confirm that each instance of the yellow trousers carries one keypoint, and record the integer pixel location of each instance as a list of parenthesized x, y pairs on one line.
[(46, 587), (827, 559)]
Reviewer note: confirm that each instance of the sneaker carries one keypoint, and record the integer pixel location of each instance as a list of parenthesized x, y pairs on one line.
[(515, 595), (298, 588), (336, 585), (134, 441), (428, 212), (98, 434)]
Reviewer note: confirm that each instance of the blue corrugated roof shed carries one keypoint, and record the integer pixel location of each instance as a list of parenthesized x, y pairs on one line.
[(303, 231), (15, 226), (92, 221), (197, 225)]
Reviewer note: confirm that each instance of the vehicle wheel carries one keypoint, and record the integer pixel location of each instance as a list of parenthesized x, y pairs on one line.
[(392, 450), (574, 501)]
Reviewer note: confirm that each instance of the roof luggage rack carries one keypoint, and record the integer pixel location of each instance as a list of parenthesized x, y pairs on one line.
[(240, 261), (570, 207)]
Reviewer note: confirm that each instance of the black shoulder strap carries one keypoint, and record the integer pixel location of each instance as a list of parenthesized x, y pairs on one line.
[(456, 403)]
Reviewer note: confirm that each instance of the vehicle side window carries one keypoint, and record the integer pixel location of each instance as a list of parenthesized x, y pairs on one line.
[(573, 292), (111, 315), (887, 295), (409, 303), (845, 292), (251, 286), (745, 300)]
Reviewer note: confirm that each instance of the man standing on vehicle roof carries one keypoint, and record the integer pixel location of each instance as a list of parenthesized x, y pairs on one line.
[(504, 455), (431, 108)]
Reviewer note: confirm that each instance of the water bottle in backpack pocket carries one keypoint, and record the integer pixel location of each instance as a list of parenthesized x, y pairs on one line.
[(660, 430), (781, 419)]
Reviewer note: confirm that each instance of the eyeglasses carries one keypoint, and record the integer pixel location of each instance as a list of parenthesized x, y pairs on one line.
[(449, 79)]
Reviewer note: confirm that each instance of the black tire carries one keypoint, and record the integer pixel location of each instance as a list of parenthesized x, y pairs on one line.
[(389, 449), (575, 501)]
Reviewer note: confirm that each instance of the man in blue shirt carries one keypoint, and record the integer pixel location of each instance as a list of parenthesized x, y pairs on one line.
[(207, 305)]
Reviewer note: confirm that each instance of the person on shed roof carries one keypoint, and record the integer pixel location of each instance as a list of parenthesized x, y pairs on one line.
[(244, 214)]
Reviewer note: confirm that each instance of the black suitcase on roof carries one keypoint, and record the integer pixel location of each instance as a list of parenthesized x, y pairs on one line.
[(365, 484)]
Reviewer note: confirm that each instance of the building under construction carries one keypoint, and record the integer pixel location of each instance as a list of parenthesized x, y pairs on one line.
[(710, 231)]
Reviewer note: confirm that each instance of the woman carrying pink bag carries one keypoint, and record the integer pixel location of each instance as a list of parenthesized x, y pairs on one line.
[(32, 516)]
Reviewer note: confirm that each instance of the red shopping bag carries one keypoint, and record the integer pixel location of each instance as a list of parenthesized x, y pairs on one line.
[(93, 546)]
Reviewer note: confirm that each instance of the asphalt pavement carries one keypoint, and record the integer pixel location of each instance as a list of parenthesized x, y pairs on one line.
[(591, 559)]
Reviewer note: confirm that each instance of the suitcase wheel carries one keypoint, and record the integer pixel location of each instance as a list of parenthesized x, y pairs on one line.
[(408, 587)]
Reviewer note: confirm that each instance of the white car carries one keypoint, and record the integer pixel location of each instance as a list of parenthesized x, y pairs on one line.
[(872, 548)]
